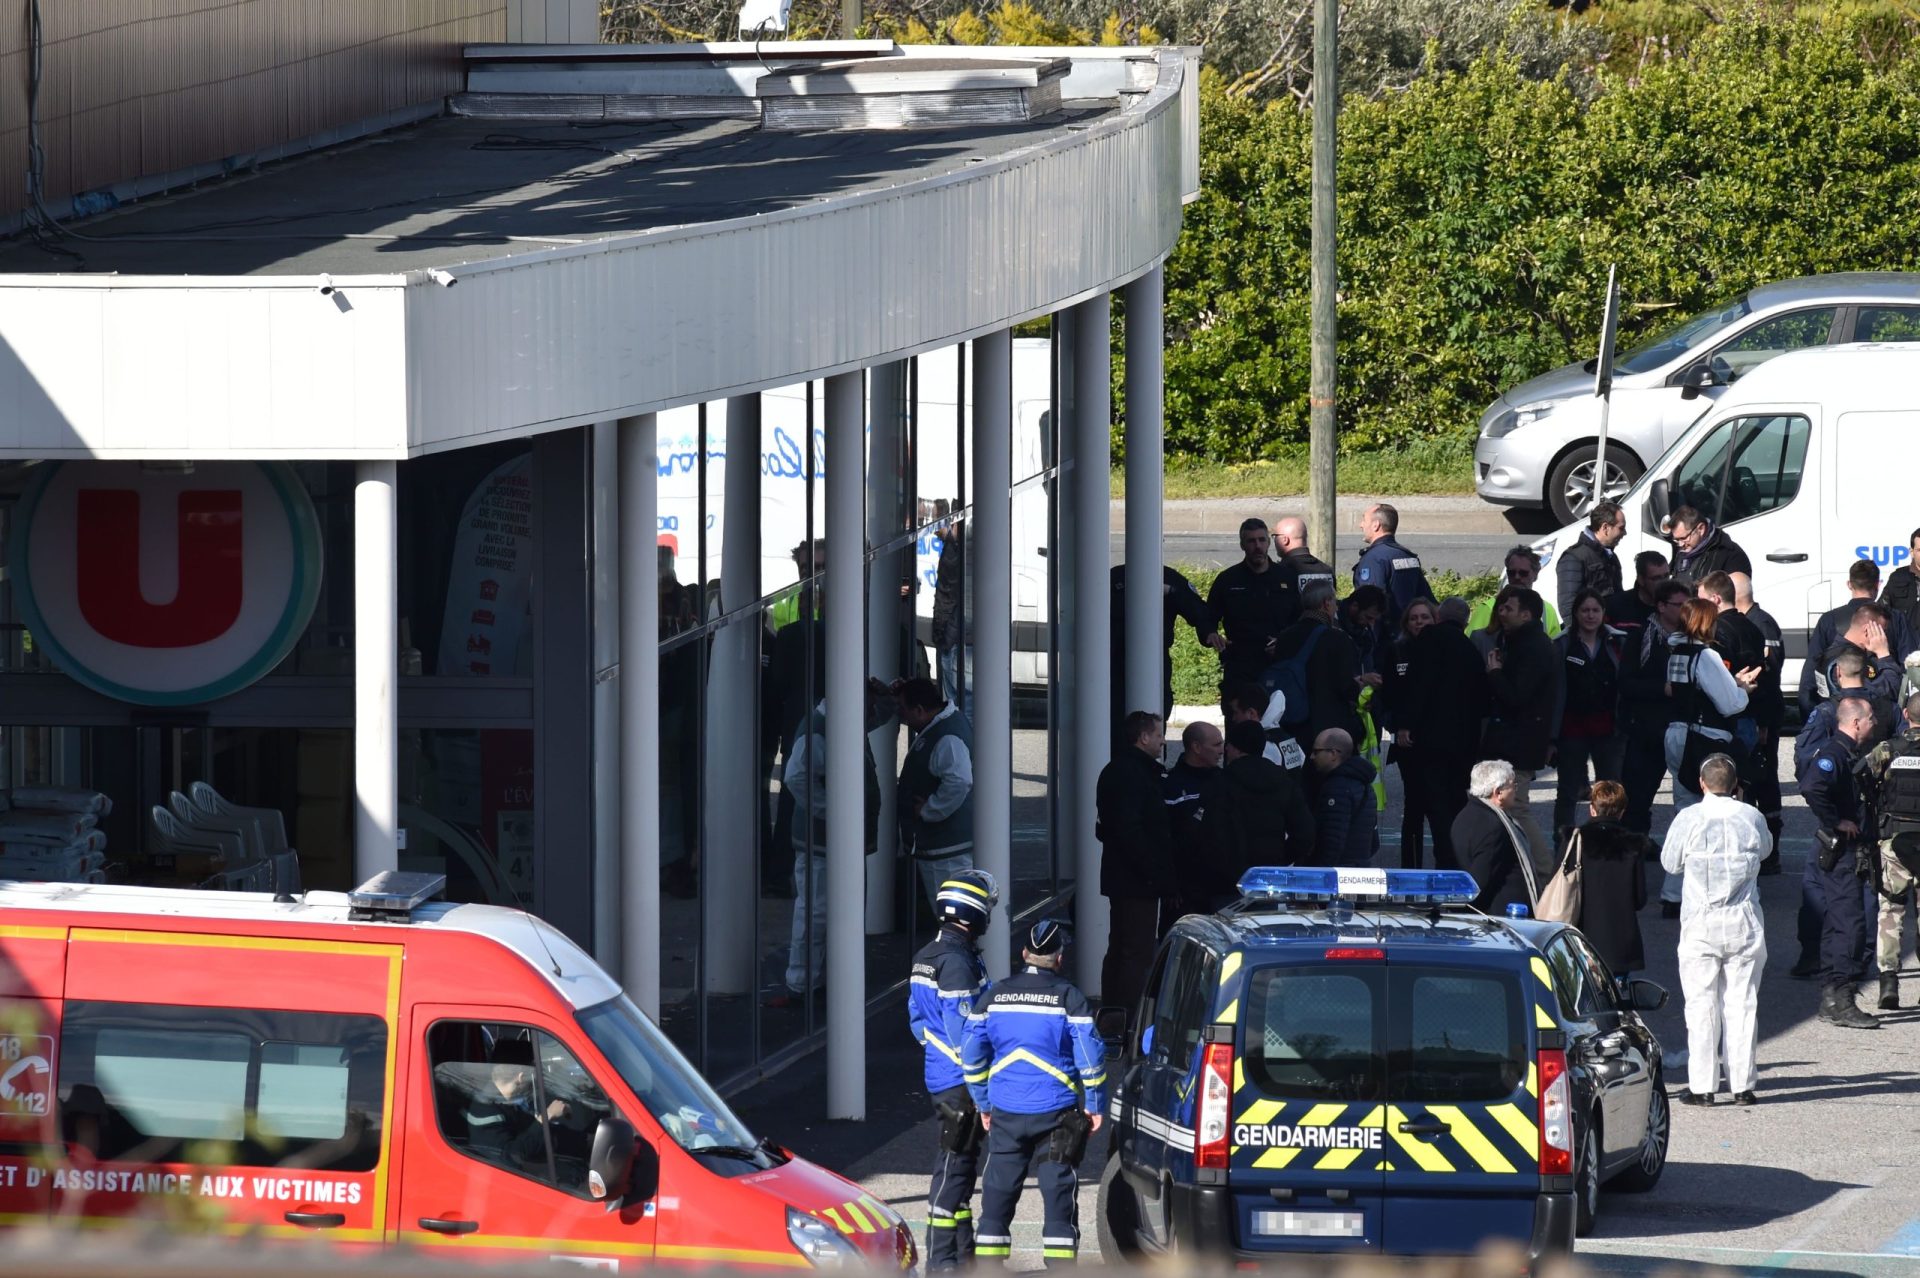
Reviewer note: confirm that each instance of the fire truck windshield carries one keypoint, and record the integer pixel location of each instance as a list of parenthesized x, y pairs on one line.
[(660, 1076)]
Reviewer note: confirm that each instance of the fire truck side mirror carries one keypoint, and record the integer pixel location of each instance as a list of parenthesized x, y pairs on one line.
[(610, 1167)]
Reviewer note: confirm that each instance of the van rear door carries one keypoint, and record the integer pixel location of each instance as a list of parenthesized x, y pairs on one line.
[(1462, 1161), (32, 970), (242, 1083), (1309, 1075)]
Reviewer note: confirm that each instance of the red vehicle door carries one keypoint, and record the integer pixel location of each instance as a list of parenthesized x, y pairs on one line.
[(238, 1083), (32, 967), (503, 1116)]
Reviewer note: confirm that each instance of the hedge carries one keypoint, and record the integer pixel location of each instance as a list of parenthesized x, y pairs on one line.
[(1479, 211)]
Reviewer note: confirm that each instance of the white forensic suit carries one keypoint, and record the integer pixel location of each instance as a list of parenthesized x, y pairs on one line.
[(1717, 846)]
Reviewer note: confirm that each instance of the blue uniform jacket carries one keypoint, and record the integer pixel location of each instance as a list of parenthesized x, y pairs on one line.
[(1396, 570), (1030, 1047), (1826, 783), (948, 977)]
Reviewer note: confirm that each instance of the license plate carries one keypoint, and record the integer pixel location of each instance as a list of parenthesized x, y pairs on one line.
[(1310, 1224)]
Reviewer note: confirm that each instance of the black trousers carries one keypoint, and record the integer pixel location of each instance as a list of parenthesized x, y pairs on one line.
[(1435, 790), (1843, 925), (1135, 927), (949, 1202), (1641, 772), (1014, 1144)]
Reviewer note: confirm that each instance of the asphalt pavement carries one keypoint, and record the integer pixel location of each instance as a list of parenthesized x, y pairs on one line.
[(1822, 1176)]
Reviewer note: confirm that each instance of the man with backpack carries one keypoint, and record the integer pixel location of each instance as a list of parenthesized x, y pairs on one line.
[(1316, 667)]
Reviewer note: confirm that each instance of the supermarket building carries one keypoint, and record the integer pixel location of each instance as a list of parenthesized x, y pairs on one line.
[(368, 394)]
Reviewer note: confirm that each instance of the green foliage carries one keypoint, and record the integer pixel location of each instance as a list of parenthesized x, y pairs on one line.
[(1196, 668), (1479, 211)]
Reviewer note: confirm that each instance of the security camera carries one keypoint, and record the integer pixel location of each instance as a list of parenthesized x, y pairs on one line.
[(326, 286), (445, 279)]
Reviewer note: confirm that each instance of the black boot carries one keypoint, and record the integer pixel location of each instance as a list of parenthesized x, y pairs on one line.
[(1837, 1007), (1771, 865), (1889, 991)]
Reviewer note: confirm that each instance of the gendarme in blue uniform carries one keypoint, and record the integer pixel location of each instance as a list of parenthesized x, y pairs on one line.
[(948, 976), (1395, 569), (1828, 786), (1031, 1059)]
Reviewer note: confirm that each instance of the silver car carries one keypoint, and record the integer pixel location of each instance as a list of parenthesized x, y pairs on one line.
[(1538, 442)]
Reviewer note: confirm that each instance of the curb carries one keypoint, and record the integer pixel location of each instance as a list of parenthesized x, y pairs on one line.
[(1418, 514)]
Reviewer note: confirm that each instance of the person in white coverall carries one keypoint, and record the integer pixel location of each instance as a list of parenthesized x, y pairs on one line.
[(1717, 846)]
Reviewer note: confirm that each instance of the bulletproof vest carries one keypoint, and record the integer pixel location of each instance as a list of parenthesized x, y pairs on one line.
[(1690, 700), (1898, 803)]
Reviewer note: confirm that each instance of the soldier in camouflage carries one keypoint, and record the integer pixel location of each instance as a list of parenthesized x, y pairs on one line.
[(1895, 767)]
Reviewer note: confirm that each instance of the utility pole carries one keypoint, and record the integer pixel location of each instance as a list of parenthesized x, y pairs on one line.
[(850, 19), (1320, 394)]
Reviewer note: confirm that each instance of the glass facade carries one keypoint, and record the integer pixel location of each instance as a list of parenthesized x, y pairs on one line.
[(499, 666)]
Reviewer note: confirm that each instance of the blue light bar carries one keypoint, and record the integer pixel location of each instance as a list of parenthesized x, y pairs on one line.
[(1317, 884)]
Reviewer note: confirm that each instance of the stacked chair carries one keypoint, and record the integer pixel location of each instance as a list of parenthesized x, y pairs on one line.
[(51, 834), (223, 845)]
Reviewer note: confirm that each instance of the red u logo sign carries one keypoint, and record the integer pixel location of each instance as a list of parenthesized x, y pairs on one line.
[(207, 602)]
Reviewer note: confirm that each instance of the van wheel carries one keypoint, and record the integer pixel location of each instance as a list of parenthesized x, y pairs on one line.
[(1586, 1180), (1651, 1160), (1119, 1216), (1570, 488)]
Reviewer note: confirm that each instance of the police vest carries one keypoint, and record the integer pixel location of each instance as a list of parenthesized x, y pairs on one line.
[(933, 840), (1691, 703), (1898, 805)]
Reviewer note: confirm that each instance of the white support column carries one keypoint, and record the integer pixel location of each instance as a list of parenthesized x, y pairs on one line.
[(1092, 428), (846, 753), (1145, 619), (376, 659), (887, 393), (639, 451), (735, 790), (992, 568)]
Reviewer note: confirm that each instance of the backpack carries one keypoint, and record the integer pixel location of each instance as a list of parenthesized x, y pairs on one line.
[(1289, 679)]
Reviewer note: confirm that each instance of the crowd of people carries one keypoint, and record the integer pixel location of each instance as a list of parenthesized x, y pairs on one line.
[(1631, 674)]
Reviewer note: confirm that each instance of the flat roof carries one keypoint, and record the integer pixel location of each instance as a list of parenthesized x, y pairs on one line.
[(453, 190)]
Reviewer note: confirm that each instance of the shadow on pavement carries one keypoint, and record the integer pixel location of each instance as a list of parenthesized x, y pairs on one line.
[(1696, 1198)]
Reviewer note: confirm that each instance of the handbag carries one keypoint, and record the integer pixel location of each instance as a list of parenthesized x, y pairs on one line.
[(1560, 899)]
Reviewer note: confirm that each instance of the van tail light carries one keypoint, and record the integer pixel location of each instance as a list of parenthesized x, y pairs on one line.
[(1362, 953), (1216, 1104), (1556, 1114)]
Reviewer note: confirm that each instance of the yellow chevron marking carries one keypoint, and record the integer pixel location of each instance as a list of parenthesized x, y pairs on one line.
[(1425, 1156), (859, 1218), (1533, 1079), (1277, 1158), (1471, 1138), (1542, 1019), (1338, 1159), (1240, 1072), (1231, 1013), (1542, 971), (882, 1213), (833, 1214), (1321, 1115), (1262, 1112), (1518, 1126), (1230, 968), (1386, 1167)]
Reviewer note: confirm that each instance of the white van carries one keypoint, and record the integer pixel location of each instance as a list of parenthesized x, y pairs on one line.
[(783, 486), (1805, 463)]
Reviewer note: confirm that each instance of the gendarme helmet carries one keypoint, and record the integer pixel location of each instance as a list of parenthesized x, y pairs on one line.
[(968, 899)]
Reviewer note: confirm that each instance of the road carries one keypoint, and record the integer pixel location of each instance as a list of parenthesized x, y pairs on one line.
[(1466, 553), (1821, 1176)]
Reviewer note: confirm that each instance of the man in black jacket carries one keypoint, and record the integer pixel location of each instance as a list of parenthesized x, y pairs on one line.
[(1590, 563), (1253, 814), (1902, 593), (1333, 667), (1700, 548), (1178, 599), (1522, 672), (1440, 718), (1188, 780), (1483, 835), (1835, 624), (1250, 604), (1302, 569), (1630, 609), (1346, 822), (1646, 707), (1768, 705), (1136, 858)]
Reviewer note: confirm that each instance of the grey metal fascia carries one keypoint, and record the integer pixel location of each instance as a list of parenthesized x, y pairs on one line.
[(553, 338)]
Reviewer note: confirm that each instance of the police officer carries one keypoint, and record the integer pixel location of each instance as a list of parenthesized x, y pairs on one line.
[(1249, 605), (1389, 565), (1895, 766), (1833, 794), (948, 976), (1298, 564), (1038, 1073)]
